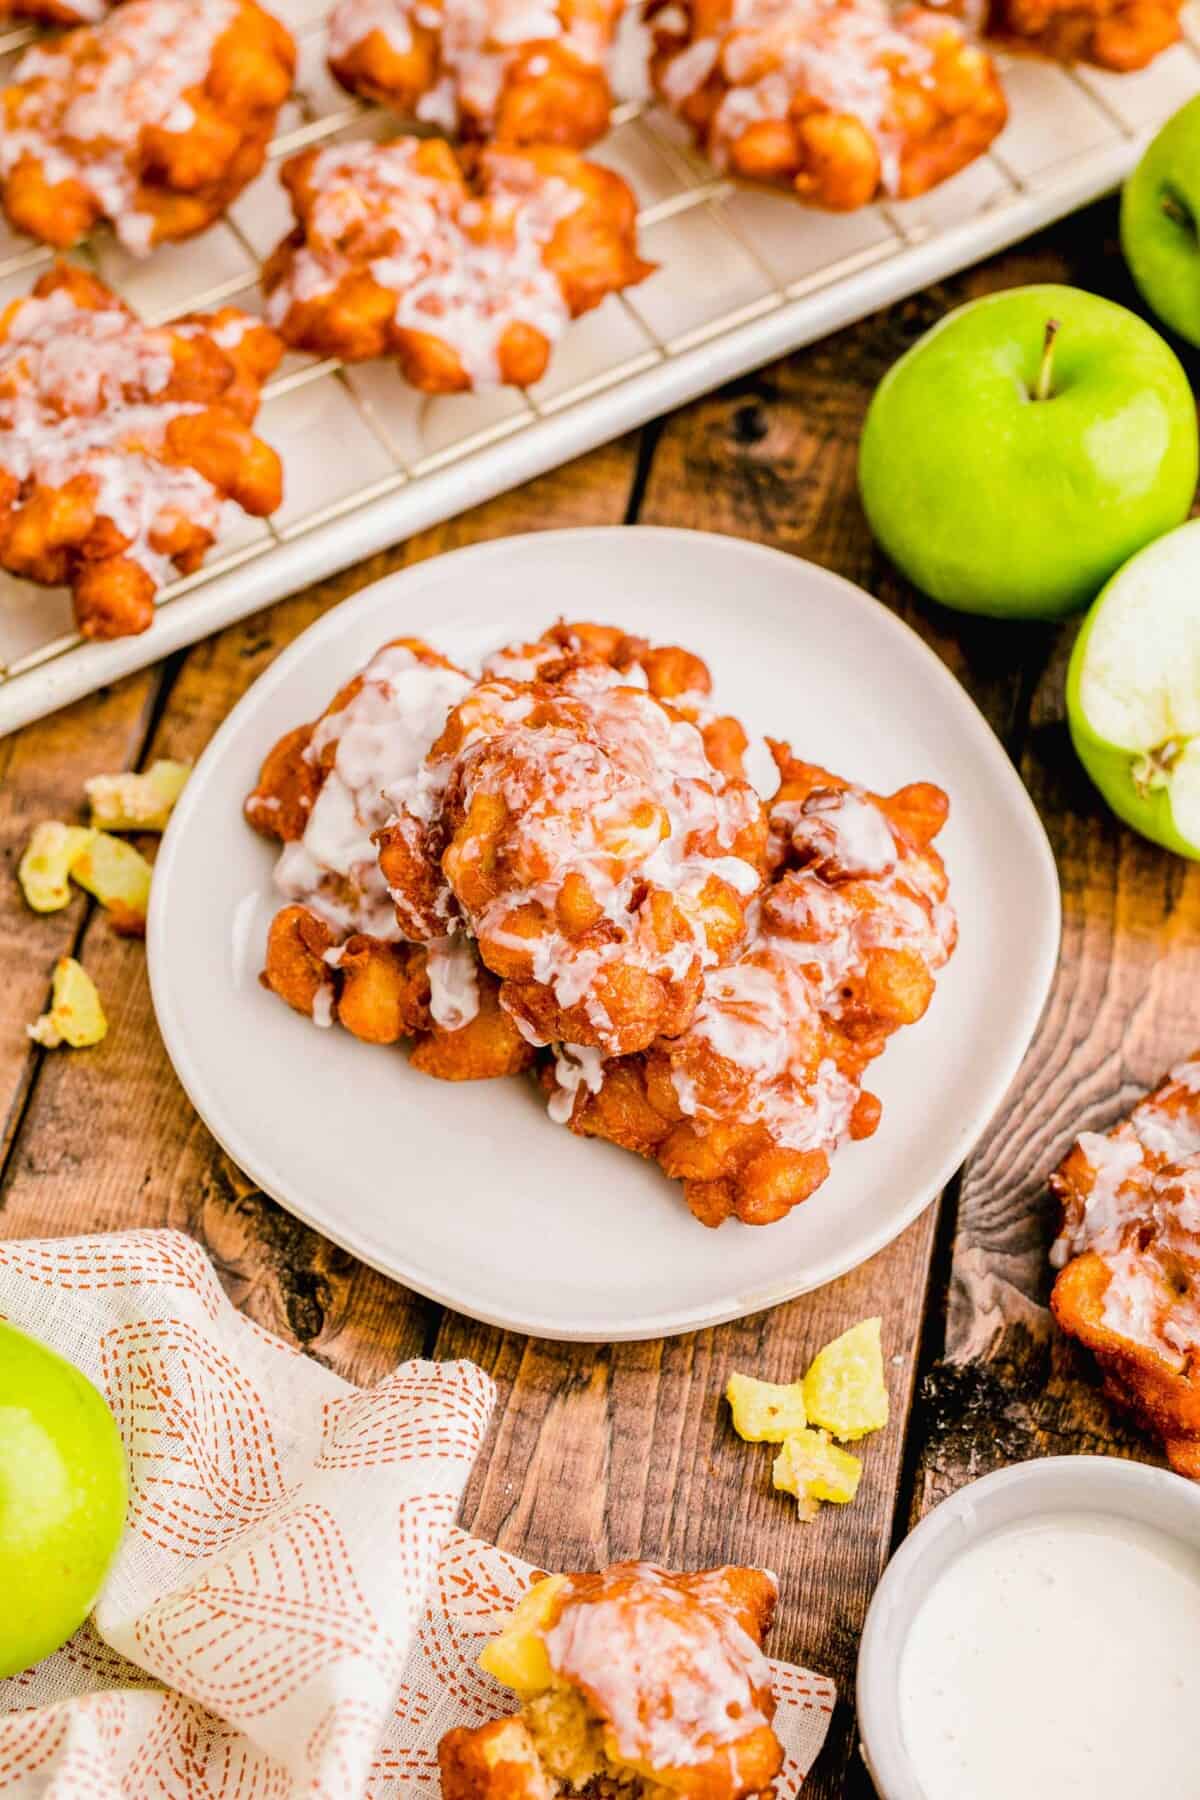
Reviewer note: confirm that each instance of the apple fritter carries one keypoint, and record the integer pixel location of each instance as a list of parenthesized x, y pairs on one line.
[(631, 1681), (667, 671), (465, 266), (575, 826), (1129, 1255), (153, 119), (120, 443), (58, 12), (748, 1103), (510, 71), (840, 100), (1114, 34), (334, 952)]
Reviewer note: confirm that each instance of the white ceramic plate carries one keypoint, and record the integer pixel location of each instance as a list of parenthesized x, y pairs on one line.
[(467, 1192)]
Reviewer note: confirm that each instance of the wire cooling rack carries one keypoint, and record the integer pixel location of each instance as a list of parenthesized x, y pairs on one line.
[(744, 275)]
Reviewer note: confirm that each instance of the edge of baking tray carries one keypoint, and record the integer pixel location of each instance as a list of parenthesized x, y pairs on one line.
[(553, 440)]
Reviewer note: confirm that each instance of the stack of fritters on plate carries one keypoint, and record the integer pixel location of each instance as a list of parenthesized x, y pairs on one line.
[(562, 864)]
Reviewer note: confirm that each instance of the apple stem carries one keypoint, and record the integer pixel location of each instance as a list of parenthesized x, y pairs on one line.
[(1177, 212), (1046, 370)]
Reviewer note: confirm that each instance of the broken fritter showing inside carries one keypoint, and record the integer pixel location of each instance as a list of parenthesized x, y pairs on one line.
[(631, 1681)]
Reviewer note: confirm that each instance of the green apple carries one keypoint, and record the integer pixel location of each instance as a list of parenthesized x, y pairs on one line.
[(1025, 448), (62, 1498), (1133, 692), (1160, 220)]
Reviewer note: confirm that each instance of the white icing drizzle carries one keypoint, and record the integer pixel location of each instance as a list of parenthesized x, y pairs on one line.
[(1115, 1161), (476, 44), (462, 268), (608, 787), (81, 393), (748, 1055), (82, 117), (842, 54), (453, 982), (674, 1674), (380, 737), (575, 1066)]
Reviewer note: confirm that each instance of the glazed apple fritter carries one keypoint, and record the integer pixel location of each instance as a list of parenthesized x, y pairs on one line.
[(511, 71), (58, 12), (334, 952), (1121, 35), (632, 1681), (840, 100), (1129, 1255), (575, 826), (667, 671), (747, 1104), (121, 443), (466, 268), (154, 119)]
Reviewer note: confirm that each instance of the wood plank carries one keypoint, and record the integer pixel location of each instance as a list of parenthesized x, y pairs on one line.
[(774, 458), (1008, 1385), (42, 771), (108, 1138)]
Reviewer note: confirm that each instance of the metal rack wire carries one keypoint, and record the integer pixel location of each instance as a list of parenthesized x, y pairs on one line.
[(744, 275)]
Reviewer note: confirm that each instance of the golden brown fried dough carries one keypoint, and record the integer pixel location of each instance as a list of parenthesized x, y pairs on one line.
[(622, 1675), (58, 12), (154, 119), (840, 100), (1114, 34), (465, 268), (482, 71), (574, 825), (335, 953), (748, 1103), (120, 443), (1129, 1252)]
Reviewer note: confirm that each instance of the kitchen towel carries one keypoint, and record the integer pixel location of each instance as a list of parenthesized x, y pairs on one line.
[(293, 1614)]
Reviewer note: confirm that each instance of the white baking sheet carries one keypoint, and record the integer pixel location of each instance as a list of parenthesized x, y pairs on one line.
[(745, 275)]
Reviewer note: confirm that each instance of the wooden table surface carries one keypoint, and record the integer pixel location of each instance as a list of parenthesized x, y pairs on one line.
[(600, 1452)]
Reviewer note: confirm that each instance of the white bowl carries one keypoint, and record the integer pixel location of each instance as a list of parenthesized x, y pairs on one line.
[(1052, 1484)]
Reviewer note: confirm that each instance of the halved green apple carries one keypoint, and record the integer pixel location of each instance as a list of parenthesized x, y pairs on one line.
[(1133, 692)]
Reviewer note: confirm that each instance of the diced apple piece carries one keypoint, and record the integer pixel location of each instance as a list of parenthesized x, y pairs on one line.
[(119, 878), (76, 1016), (814, 1469), (47, 861), (136, 802), (765, 1412), (844, 1389), (517, 1657)]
